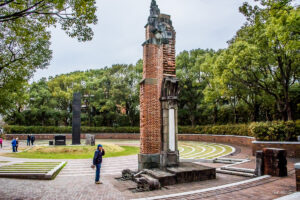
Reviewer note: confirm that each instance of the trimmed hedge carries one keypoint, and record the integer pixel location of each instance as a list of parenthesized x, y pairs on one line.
[(66, 129), (275, 131), (263, 131), (229, 129)]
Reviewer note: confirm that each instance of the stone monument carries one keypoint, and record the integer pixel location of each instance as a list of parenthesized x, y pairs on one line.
[(158, 94), (76, 121), (158, 161)]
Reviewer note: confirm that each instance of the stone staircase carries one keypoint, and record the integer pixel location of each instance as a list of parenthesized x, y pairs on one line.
[(229, 169)]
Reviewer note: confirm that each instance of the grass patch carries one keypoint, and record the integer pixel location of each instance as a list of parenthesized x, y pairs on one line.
[(74, 152)]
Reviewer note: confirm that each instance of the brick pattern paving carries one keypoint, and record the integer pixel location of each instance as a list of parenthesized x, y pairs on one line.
[(76, 181)]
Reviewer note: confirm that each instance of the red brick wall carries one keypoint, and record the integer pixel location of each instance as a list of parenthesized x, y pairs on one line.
[(293, 150), (237, 140), (150, 106)]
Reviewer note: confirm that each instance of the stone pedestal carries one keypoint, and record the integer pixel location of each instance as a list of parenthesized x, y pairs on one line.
[(148, 161), (275, 163), (297, 169), (259, 171)]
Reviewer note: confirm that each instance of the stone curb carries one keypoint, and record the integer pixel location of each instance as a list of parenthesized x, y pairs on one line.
[(294, 196), (50, 174), (273, 142), (206, 190)]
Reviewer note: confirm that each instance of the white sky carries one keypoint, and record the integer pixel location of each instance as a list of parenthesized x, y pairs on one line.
[(120, 32)]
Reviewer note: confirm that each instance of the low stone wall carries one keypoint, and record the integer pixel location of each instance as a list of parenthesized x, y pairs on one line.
[(129, 136), (232, 139), (297, 168), (292, 148)]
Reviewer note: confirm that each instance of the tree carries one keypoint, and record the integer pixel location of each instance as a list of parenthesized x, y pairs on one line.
[(191, 83), (264, 55), (24, 36)]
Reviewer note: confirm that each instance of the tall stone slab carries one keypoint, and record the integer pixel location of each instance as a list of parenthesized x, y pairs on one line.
[(158, 100), (76, 121)]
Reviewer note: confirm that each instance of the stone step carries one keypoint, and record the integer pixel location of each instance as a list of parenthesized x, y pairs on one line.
[(224, 162), (221, 171), (245, 170), (231, 159)]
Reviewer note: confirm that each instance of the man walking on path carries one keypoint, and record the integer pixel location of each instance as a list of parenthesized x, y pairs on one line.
[(97, 162), (14, 143), (28, 140)]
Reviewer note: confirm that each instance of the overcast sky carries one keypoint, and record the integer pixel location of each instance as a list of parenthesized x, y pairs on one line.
[(120, 32)]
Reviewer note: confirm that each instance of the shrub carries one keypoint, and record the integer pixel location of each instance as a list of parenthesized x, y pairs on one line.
[(267, 131), (66, 129), (229, 129), (274, 131)]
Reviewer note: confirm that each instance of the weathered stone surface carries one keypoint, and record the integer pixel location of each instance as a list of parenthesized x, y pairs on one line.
[(148, 161), (297, 169), (147, 183), (165, 178), (76, 121), (275, 163), (90, 139), (259, 171), (191, 172)]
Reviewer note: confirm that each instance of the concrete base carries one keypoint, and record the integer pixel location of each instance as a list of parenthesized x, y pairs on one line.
[(169, 159), (148, 161), (184, 173)]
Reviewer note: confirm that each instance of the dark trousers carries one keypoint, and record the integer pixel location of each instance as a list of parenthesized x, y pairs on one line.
[(28, 142), (32, 142), (14, 148), (98, 167), (17, 148), (1, 145)]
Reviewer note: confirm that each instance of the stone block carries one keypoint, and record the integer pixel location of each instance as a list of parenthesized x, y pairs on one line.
[(90, 139), (148, 161), (191, 172), (165, 178), (297, 169), (259, 171), (60, 140), (275, 162)]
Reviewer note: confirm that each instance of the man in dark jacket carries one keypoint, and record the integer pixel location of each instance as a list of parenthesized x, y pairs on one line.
[(97, 162), (32, 139), (28, 140)]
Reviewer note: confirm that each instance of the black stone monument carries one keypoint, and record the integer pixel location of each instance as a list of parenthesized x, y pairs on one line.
[(76, 121)]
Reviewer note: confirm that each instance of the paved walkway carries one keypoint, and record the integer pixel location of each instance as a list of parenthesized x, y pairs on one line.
[(76, 181)]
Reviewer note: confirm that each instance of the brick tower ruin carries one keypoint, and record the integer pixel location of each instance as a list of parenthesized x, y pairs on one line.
[(158, 94)]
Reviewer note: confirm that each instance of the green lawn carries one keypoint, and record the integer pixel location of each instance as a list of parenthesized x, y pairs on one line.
[(74, 152)]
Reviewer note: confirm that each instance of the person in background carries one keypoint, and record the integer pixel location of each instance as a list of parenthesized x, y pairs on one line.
[(17, 144), (32, 139), (97, 161), (14, 143), (28, 140), (1, 141)]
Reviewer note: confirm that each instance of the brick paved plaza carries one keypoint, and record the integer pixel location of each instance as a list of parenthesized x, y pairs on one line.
[(76, 181)]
